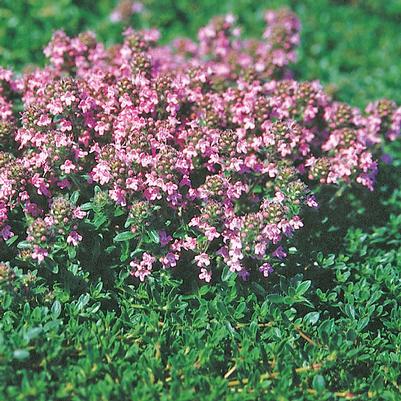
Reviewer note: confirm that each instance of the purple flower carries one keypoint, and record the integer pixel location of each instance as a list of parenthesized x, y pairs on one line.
[(74, 238), (266, 269), (279, 253), (39, 254), (164, 238)]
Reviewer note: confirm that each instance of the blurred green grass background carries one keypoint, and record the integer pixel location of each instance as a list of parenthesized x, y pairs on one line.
[(353, 47)]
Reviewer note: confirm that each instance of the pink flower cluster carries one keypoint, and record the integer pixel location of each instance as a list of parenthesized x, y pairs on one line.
[(210, 145)]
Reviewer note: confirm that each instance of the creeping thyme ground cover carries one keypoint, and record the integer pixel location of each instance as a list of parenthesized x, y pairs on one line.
[(189, 220)]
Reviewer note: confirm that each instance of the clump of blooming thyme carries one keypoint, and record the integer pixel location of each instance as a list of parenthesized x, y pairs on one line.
[(208, 151)]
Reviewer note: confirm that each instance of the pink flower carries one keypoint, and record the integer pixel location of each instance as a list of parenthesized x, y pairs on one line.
[(132, 183), (101, 173), (143, 268), (44, 120), (65, 125), (33, 209), (39, 254), (260, 249), (64, 183), (102, 127), (170, 260), (189, 243), (78, 213), (147, 259), (211, 233), (202, 260), (74, 238), (68, 98), (296, 223), (119, 196), (68, 166), (139, 271), (152, 194), (137, 7), (205, 275), (272, 232), (279, 196), (311, 201), (41, 185)]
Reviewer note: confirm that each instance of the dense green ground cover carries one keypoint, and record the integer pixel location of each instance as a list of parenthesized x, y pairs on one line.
[(325, 327)]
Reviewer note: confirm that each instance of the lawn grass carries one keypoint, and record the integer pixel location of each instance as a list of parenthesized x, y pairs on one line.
[(325, 327)]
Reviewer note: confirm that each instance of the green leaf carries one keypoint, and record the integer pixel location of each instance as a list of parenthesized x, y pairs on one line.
[(119, 211), (56, 309), (303, 287), (99, 220), (276, 299), (11, 240), (227, 274), (24, 245), (311, 317), (350, 311), (318, 383), (124, 251), (152, 237), (21, 354), (86, 206), (124, 236), (362, 323), (33, 333), (72, 252), (74, 197)]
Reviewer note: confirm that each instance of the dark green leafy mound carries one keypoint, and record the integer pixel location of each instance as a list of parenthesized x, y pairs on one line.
[(331, 338)]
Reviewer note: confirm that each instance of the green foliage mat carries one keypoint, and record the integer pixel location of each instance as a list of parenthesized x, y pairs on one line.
[(325, 328)]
